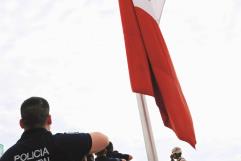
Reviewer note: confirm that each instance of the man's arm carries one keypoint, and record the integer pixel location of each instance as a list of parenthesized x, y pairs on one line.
[(99, 142)]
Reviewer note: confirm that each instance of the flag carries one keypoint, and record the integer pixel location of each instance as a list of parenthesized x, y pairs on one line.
[(150, 67)]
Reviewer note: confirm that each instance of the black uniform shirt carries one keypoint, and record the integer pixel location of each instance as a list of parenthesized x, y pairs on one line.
[(40, 145)]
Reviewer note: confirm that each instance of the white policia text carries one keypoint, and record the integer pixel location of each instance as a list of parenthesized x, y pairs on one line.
[(38, 155)]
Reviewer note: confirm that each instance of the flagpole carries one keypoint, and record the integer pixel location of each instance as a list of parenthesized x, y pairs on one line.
[(146, 128)]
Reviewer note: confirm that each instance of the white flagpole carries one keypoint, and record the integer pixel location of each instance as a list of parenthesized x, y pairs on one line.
[(146, 128)]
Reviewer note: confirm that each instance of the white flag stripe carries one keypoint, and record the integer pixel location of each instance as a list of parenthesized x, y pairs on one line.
[(152, 7), (146, 6), (158, 8)]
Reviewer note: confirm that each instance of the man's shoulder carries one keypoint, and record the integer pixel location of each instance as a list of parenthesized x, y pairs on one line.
[(70, 135), (73, 141)]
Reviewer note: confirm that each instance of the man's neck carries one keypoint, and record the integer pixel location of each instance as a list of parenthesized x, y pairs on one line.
[(47, 127)]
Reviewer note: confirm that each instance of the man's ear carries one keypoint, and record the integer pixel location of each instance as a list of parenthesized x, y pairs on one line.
[(49, 120), (21, 123)]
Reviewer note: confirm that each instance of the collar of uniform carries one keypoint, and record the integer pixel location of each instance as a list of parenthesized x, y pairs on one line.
[(33, 132)]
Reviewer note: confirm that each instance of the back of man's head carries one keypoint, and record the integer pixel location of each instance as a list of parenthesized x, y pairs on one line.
[(34, 112)]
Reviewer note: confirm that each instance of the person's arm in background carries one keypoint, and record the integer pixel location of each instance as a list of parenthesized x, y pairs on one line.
[(99, 142)]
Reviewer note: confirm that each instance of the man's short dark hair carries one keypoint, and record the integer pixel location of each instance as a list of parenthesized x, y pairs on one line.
[(34, 112)]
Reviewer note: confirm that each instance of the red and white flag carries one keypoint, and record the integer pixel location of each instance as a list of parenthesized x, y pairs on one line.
[(150, 66)]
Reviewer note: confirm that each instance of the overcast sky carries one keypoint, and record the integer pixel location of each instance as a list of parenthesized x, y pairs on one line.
[(72, 53)]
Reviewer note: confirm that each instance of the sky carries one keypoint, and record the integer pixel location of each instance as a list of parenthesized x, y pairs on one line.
[(72, 53)]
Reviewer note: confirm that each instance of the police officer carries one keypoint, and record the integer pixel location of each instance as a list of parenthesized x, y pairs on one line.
[(177, 154), (37, 143)]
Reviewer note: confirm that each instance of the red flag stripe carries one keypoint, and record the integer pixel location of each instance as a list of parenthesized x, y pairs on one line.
[(172, 104)]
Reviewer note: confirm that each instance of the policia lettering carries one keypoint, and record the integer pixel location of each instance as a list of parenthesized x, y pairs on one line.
[(38, 155)]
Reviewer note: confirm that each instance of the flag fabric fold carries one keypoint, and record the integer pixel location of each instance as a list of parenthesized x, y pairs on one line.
[(150, 67)]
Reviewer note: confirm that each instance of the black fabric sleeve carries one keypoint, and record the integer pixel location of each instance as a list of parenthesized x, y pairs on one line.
[(76, 145)]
